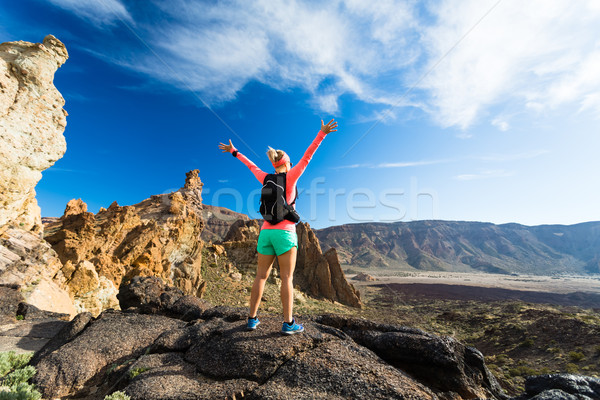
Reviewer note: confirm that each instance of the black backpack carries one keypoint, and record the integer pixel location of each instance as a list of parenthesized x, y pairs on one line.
[(274, 207)]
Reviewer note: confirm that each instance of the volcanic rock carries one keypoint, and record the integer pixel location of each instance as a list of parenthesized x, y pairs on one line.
[(80, 363), (29, 262), (320, 275), (32, 122), (158, 237)]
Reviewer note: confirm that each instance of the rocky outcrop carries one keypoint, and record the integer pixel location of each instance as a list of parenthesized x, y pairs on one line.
[(32, 122), (28, 262), (158, 237), (160, 356), (317, 274), (150, 295), (442, 363), (218, 221), (561, 387), (468, 246), (320, 275)]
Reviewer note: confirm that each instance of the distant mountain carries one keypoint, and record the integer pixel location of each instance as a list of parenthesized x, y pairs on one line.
[(468, 246)]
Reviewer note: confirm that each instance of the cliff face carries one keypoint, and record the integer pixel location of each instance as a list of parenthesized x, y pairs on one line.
[(468, 246), (32, 122)]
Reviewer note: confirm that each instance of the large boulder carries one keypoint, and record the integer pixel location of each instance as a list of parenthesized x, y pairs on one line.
[(32, 122), (561, 386), (442, 363), (84, 361)]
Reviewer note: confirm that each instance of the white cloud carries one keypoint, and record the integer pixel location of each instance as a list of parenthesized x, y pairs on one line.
[(539, 53), (100, 12), (499, 173), (501, 124), (528, 56)]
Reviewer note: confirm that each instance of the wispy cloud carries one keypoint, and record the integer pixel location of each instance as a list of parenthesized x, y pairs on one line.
[(404, 164), (498, 173), (534, 56), (513, 157), (99, 12)]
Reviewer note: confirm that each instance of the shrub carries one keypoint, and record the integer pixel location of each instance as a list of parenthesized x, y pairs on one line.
[(20, 318), (117, 396), (23, 391), (527, 343), (576, 356), (571, 368), (522, 370), (10, 361), (136, 371), (21, 375), (14, 374)]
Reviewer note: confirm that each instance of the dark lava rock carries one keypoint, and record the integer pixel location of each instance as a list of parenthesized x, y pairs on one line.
[(82, 362), (66, 334), (441, 363), (169, 376), (572, 386), (339, 370), (31, 312), (149, 294), (11, 297), (189, 308)]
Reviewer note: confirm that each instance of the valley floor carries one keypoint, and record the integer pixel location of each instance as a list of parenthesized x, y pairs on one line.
[(524, 325)]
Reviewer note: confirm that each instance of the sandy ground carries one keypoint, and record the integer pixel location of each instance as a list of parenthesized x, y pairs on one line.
[(548, 284), (580, 291)]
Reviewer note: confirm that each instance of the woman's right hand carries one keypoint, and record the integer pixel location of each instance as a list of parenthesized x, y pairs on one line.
[(226, 147), (329, 127)]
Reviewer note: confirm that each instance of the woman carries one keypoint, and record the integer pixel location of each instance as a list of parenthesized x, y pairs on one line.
[(280, 239)]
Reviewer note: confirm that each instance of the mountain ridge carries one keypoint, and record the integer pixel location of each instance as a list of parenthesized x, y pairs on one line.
[(467, 246)]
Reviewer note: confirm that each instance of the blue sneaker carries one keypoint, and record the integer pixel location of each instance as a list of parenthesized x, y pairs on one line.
[(290, 329), (252, 323)]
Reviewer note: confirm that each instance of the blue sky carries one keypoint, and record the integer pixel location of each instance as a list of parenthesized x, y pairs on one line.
[(454, 109)]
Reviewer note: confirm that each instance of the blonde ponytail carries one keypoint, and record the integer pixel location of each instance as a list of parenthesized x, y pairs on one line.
[(275, 155)]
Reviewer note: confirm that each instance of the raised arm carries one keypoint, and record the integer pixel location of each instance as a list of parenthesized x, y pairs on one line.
[(299, 168), (229, 148)]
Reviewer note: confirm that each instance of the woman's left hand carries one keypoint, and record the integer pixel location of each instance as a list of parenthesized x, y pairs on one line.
[(329, 127), (226, 147)]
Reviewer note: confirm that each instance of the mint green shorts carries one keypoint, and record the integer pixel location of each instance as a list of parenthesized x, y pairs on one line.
[(276, 241)]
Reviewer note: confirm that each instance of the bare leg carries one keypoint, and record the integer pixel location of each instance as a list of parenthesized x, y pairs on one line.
[(265, 262), (287, 264)]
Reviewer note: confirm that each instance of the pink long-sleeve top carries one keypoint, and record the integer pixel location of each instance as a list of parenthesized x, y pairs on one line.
[(291, 178)]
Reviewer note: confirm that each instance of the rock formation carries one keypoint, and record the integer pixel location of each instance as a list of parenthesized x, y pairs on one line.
[(218, 221), (320, 275), (27, 261), (317, 274), (158, 237), (161, 356), (32, 122)]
